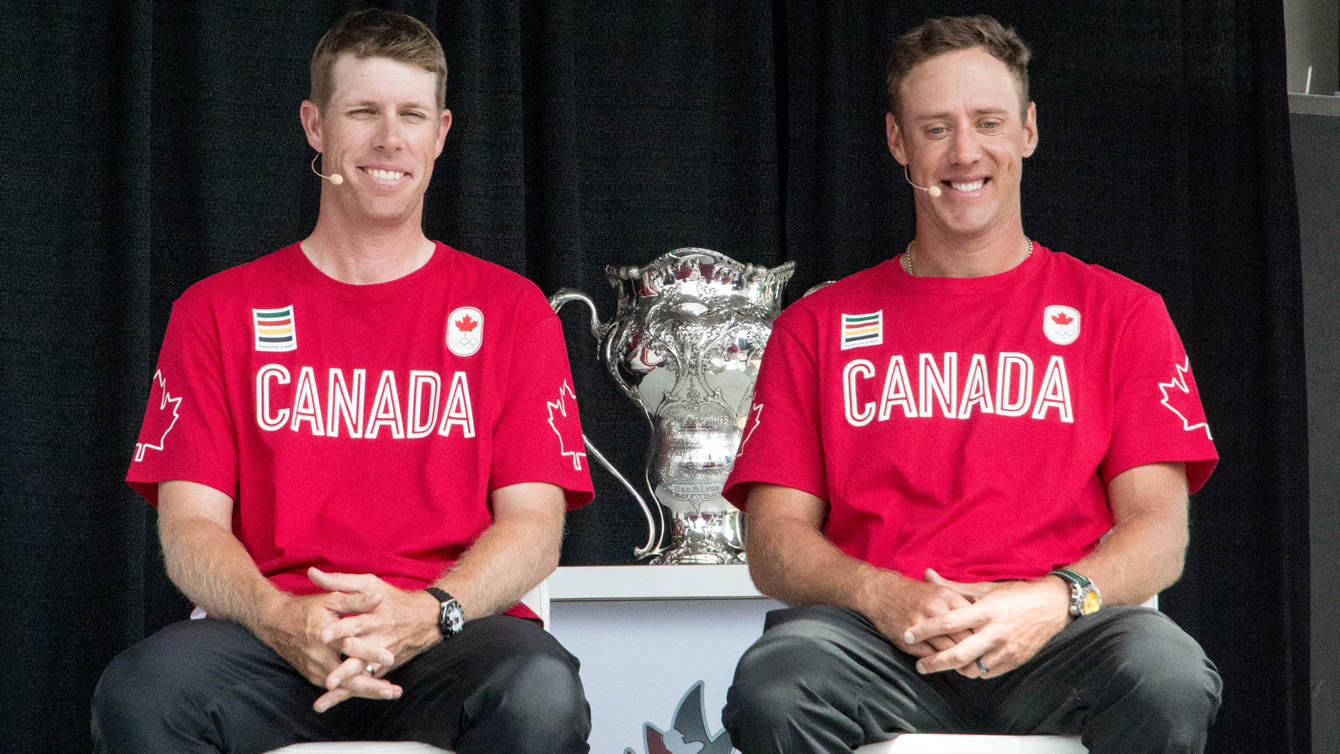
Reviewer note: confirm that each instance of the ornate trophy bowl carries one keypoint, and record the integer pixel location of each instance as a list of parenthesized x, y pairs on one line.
[(685, 344)]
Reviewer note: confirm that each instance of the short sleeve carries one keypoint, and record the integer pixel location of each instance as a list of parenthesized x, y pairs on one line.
[(187, 432), (781, 443), (1157, 413), (538, 437)]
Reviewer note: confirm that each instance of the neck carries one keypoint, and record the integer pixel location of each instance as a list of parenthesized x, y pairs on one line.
[(363, 254), (937, 255)]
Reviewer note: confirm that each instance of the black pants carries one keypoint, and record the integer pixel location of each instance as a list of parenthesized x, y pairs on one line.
[(503, 684), (824, 679)]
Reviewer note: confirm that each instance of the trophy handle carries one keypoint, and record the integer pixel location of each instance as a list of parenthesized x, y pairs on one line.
[(656, 534)]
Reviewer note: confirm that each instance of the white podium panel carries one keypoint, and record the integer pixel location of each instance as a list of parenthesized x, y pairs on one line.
[(647, 636)]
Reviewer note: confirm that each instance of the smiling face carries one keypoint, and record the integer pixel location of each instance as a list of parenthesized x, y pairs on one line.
[(382, 131), (959, 128)]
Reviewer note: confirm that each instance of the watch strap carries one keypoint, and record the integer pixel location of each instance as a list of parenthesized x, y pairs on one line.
[(1085, 599), (450, 616)]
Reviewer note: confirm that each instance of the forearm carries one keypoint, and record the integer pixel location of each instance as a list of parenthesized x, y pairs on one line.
[(518, 551), (1146, 548), (211, 567), (792, 561), (1139, 559)]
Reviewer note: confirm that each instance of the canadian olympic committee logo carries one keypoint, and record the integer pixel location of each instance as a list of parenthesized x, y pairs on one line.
[(465, 331)]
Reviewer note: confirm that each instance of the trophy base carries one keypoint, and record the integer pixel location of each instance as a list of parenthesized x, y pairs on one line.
[(715, 538)]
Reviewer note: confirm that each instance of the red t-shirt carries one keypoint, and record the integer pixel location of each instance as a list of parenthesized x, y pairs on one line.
[(971, 425), (360, 428)]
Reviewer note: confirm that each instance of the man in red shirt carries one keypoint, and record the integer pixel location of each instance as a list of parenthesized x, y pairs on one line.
[(361, 448), (969, 465)]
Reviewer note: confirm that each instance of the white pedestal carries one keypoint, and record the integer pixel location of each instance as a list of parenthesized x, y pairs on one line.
[(646, 635)]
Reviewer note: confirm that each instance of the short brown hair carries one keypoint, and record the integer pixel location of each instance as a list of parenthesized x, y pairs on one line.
[(950, 33), (377, 33)]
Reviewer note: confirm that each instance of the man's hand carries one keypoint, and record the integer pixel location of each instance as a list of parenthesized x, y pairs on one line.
[(294, 626), (1008, 622), (895, 604), (397, 628)]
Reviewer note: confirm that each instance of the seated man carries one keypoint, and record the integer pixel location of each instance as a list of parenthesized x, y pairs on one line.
[(361, 448), (960, 455)]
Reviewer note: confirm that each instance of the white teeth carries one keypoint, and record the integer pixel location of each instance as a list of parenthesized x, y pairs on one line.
[(968, 186), (385, 175)]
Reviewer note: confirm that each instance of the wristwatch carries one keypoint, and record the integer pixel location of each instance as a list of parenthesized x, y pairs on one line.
[(1085, 599), (451, 617)]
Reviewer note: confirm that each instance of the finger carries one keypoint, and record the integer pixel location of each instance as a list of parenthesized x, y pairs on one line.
[(959, 656), (344, 671), (941, 643), (954, 622), (353, 674), (348, 603), (345, 582), (973, 592), (362, 686), (367, 651), (331, 698), (320, 661), (352, 624), (990, 665)]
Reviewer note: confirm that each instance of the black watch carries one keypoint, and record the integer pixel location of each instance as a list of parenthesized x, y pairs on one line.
[(1085, 599), (451, 617)]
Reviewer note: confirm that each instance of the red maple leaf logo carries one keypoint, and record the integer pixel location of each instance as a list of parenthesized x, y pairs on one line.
[(158, 422), (465, 324), (563, 420), (1061, 319), (1181, 391)]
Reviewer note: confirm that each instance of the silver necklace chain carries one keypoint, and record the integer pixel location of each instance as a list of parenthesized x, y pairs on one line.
[(907, 255)]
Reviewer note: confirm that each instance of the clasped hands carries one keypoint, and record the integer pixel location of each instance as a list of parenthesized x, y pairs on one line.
[(346, 639), (952, 626)]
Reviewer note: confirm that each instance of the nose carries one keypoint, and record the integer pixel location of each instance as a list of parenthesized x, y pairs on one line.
[(965, 148), (390, 134)]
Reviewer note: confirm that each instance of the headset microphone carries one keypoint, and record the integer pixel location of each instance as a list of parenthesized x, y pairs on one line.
[(934, 191), (335, 178)]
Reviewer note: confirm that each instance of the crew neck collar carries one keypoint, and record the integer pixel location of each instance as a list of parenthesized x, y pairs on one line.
[(303, 270), (948, 286)]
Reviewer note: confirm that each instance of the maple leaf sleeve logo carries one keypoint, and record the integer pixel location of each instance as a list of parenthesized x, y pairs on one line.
[(1178, 398), (563, 420), (159, 419), (466, 324), (1062, 320)]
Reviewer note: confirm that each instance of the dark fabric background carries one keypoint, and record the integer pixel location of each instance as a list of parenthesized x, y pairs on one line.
[(147, 145)]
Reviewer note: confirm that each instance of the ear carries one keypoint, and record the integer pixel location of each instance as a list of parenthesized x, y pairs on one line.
[(442, 130), (895, 137), (312, 125), (1031, 130)]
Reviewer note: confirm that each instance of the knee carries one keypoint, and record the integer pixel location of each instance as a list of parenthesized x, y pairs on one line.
[(778, 680), (540, 698), (1165, 679), (130, 691)]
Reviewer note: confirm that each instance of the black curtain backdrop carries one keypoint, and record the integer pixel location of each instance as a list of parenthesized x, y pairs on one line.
[(148, 145)]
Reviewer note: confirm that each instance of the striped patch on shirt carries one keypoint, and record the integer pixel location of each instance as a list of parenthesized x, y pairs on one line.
[(862, 329), (275, 330)]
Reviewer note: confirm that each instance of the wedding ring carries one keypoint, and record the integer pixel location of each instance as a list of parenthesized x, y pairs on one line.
[(372, 671), (980, 666)]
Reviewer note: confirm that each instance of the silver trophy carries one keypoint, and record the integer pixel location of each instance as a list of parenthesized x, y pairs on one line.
[(686, 344)]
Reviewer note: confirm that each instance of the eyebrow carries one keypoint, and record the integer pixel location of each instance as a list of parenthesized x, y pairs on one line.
[(400, 105), (977, 112)]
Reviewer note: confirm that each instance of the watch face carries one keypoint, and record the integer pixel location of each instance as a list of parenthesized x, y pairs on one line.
[(1091, 602), (455, 617)]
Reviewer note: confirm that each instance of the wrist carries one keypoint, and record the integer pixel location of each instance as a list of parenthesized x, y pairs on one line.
[(1058, 593), (1085, 599), (449, 615)]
